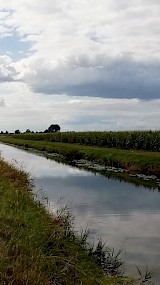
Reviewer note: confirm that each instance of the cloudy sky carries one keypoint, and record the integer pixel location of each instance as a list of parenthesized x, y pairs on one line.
[(86, 65)]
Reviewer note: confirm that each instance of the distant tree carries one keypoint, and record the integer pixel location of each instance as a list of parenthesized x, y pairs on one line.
[(17, 132), (1, 132), (54, 128), (6, 132), (46, 131), (28, 131)]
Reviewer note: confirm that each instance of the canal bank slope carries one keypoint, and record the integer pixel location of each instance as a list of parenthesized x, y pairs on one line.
[(133, 161), (37, 247)]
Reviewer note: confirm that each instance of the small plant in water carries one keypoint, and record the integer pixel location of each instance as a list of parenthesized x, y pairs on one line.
[(146, 277), (107, 259), (72, 155)]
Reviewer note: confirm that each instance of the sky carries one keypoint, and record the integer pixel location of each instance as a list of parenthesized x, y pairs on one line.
[(85, 65)]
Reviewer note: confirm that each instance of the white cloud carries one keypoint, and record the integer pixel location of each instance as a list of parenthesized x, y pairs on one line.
[(8, 71), (66, 27), (83, 48), (24, 109)]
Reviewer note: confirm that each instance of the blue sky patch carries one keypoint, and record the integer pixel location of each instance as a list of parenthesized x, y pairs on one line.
[(14, 47)]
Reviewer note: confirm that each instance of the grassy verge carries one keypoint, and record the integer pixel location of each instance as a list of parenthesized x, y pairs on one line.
[(39, 248), (134, 161), (135, 140)]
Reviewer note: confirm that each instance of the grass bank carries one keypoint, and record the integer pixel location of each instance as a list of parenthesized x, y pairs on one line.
[(135, 140), (135, 161), (37, 247)]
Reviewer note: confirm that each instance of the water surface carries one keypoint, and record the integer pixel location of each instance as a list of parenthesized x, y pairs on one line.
[(118, 212)]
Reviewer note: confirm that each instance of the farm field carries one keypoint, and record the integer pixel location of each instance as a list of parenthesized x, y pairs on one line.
[(135, 140)]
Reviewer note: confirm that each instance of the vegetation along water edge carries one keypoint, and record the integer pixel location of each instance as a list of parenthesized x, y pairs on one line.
[(135, 140), (150, 182), (133, 161), (38, 247)]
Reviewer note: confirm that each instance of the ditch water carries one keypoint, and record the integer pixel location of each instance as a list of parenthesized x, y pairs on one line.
[(120, 213)]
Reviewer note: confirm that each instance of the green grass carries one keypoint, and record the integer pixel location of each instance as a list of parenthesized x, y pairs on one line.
[(136, 140), (132, 160), (37, 247)]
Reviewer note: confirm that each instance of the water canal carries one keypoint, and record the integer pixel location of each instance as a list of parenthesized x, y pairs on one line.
[(120, 213)]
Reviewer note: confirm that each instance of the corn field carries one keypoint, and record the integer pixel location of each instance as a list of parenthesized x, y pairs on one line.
[(136, 140)]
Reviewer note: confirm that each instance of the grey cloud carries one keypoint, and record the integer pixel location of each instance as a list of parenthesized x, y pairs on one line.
[(87, 119), (103, 77), (8, 71), (2, 102)]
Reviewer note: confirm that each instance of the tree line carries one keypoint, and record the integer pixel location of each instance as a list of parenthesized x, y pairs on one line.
[(51, 129)]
